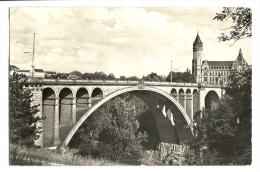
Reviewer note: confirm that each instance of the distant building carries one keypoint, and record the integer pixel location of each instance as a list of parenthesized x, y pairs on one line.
[(36, 73), (25, 72), (73, 76), (49, 74), (39, 73), (213, 72)]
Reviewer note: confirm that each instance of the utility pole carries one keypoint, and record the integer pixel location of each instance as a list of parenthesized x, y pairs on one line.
[(171, 70), (33, 55)]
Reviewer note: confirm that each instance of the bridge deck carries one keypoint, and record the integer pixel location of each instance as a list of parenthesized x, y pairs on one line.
[(44, 81)]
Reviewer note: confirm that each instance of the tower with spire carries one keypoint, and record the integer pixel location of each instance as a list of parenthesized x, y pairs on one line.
[(197, 58), (213, 72)]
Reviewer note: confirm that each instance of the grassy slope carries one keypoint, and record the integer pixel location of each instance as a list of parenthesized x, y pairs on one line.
[(41, 156)]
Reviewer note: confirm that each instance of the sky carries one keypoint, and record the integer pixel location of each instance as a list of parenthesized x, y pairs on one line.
[(129, 41)]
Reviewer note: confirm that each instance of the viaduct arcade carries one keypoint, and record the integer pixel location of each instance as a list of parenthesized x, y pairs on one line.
[(61, 99)]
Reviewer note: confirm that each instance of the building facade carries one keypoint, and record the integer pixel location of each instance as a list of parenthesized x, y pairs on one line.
[(37, 73), (25, 72), (213, 72)]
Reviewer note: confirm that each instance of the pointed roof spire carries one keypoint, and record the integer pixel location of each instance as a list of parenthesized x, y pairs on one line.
[(197, 40), (240, 56)]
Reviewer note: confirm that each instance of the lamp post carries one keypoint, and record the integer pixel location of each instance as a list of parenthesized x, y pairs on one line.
[(171, 70)]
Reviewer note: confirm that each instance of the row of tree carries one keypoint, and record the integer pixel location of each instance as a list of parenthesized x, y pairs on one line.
[(172, 76)]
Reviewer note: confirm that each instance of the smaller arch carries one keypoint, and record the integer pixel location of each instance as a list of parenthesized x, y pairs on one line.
[(173, 92), (72, 91), (188, 91), (55, 91), (76, 91), (66, 91), (97, 92), (211, 96), (48, 92), (181, 92), (82, 96), (82, 92)]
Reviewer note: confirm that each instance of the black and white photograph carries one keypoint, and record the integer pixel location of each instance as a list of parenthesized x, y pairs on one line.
[(131, 85)]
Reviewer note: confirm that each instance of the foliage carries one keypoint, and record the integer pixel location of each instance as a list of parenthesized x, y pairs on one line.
[(122, 78), (226, 128), (75, 74), (22, 119), (60, 76), (240, 89), (154, 77), (111, 132), (48, 157), (96, 75), (132, 78), (111, 76), (242, 23), (181, 77)]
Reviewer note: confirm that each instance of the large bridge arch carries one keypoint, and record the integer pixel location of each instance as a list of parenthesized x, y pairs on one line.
[(121, 91)]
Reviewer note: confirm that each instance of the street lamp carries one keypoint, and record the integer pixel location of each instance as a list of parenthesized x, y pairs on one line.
[(171, 70)]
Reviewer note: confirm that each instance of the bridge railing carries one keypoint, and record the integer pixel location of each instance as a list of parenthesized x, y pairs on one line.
[(88, 81)]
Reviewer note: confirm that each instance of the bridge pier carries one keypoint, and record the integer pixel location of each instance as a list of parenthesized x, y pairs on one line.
[(184, 102), (201, 97), (73, 114), (37, 99), (189, 105), (56, 138)]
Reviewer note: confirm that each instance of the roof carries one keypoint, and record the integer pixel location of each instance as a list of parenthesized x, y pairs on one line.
[(197, 40), (38, 70), (50, 72), (12, 66), (219, 64), (24, 71), (240, 56)]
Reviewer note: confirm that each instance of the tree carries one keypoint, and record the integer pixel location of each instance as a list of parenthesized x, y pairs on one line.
[(153, 77), (61, 75), (181, 77), (111, 132), (133, 78), (240, 89), (122, 78), (111, 76), (226, 128), (76, 73), (22, 120), (242, 23)]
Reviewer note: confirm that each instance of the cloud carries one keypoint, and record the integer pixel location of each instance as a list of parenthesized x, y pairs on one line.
[(125, 41)]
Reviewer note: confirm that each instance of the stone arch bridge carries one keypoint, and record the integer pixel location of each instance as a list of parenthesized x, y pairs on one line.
[(61, 99)]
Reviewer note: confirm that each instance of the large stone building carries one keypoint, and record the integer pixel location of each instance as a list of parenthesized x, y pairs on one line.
[(213, 72)]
